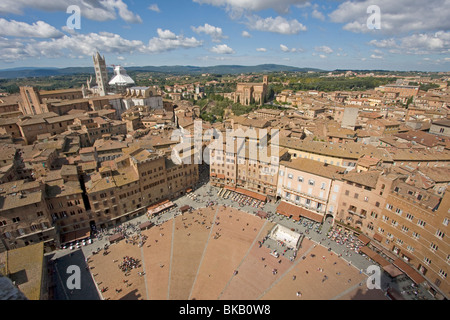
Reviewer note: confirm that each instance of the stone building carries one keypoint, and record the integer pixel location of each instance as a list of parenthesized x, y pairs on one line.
[(249, 93)]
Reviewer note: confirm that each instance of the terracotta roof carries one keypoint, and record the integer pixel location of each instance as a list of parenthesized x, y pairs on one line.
[(315, 167), (367, 178)]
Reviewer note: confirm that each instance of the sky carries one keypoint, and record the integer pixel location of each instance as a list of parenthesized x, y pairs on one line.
[(401, 35)]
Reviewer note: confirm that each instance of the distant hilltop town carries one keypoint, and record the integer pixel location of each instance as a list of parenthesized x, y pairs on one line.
[(375, 162)]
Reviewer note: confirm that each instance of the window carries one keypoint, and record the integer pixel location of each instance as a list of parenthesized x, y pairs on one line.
[(445, 222), (347, 192), (389, 206), (311, 182), (323, 186), (366, 199), (398, 211), (16, 219), (442, 274), (409, 217), (427, 261), (433, 247), (416, 235), (440, 234), (290, 176), (421, 223), (300, 179), (405, 229)]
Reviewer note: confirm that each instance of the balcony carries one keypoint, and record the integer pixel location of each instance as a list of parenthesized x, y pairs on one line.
[(308, 196), (353, 210)]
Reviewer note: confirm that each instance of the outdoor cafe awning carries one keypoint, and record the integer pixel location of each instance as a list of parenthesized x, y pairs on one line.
[(365, 240), (248, 193), (392, 270), (410, 272), (296, 212), (262, 214), (145, 225), (115, 237), (157, 208), (75, 235), (185, 208), (374, 256), (378, 237)]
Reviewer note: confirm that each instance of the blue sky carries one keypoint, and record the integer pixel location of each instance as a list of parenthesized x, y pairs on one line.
[(327, 34)]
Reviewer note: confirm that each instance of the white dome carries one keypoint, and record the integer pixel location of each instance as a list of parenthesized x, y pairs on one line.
[(121, 77)]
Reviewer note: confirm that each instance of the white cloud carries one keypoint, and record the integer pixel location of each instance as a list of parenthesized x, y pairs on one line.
[(423, 43), (154, 7), (261, 49), (396, 17), (281, 6), (98, 10), (384, 43), (166, 34), (285, 48), (39, 29), (222, 49), (373, 56), (322, 56), (215, 33), (88, 44), (318, 15), (246, 34), (324, 49), (168, 41), (278, 25)]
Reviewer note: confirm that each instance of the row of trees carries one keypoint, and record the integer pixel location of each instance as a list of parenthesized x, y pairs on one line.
[(327, 84)]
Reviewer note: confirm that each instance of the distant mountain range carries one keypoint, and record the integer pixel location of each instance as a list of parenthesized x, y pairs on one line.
[(29, 72)]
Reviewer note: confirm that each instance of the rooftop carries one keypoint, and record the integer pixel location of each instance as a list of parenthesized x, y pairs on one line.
[(315, 167)]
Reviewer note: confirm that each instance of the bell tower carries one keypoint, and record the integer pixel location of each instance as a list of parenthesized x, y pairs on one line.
[(101, 74)]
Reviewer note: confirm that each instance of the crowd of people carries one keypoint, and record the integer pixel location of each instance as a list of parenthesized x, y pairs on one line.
[(128, 264), (344, 237)]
